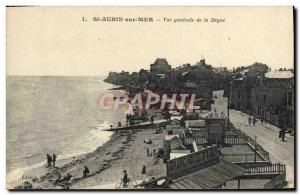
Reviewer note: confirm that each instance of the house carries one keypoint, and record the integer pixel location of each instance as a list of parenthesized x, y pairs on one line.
[(243, 81), (269, 97), (201, 170), (172, 142), (291, 107), (160, 66)]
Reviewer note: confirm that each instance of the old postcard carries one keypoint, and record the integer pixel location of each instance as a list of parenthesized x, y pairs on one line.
[(150, 98)]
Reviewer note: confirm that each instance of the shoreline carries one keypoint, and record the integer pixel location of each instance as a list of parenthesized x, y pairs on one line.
[(15, 177), (63, 165), (96, 138), (124, 151)]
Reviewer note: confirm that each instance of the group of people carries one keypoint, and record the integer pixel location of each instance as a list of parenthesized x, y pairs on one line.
[(252, 120), (125, 179), (150, 152), (68, 177), (282, 134), (51, 160), (159, 130), (282, 126)]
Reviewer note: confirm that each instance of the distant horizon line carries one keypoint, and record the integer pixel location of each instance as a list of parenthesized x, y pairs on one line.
[(148, 68)]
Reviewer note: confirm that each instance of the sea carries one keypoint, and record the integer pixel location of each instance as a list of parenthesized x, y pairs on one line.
[(54, 114)]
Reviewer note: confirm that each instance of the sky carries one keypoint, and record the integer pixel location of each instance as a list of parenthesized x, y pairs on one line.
[(55, 40)]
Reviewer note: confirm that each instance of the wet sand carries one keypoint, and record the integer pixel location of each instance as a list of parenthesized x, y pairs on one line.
[(124, 151)]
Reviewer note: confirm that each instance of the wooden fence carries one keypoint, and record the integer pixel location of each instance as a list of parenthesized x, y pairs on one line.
[(277, 182), (234, 140), (260, 150), (198, 140), (267, 169), (250, 164)]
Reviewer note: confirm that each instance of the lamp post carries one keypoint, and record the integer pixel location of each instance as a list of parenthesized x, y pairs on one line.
[(228, 95)]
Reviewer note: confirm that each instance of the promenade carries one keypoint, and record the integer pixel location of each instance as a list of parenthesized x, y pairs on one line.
[(267, 136)]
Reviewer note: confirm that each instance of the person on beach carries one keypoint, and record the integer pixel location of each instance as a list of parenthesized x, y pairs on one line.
[(86, 171), (150, 141), (144, 169), (67, 177), (49, 160), (220, 150), (125, 179), (283, 135), (262, 120), (282, 132), (254, 120), (148, 152), (54, 159), (152, 119), (127, 118), (249, 120)]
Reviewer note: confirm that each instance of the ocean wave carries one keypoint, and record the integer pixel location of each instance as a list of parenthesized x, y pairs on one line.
[(96, 138), (14, 177)]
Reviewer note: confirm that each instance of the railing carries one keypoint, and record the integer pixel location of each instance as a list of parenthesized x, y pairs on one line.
[(260, 150), (230, 133), (246, 157), (267, 169), (201, 133), (198, 140), (251, 164), (277, 182), (234, 140)]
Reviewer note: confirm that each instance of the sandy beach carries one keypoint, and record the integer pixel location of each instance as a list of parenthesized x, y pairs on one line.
[(124, 151)]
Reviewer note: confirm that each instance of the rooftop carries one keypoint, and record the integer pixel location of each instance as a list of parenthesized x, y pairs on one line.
[(195, 123), (169, 137), (279, 74)]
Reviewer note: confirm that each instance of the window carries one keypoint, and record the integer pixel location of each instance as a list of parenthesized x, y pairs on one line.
[(239, 95), (290, 98), (265, 98)]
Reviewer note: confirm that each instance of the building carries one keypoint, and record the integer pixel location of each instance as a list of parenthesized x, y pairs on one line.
[(244, 79), (269, 97), (291, 107), (160, 66), (240, 92)]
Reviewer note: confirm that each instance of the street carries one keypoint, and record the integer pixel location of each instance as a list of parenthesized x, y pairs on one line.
[(267, 136)]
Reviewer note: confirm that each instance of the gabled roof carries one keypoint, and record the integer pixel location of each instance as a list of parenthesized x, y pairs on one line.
[(279, 75), (208, 178), (185, 73), (243, 72), (195, 123)]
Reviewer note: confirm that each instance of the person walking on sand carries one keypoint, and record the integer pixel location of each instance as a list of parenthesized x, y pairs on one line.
[(125, 179), (144, 169), (53, 159), (262, 120), (249, 120), (220, 150), (283, 132), (86, 171), (254, 120), (152, 119), (282, 135), (49, 160)]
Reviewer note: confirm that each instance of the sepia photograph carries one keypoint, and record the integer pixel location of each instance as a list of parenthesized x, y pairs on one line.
[(150, 98)]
